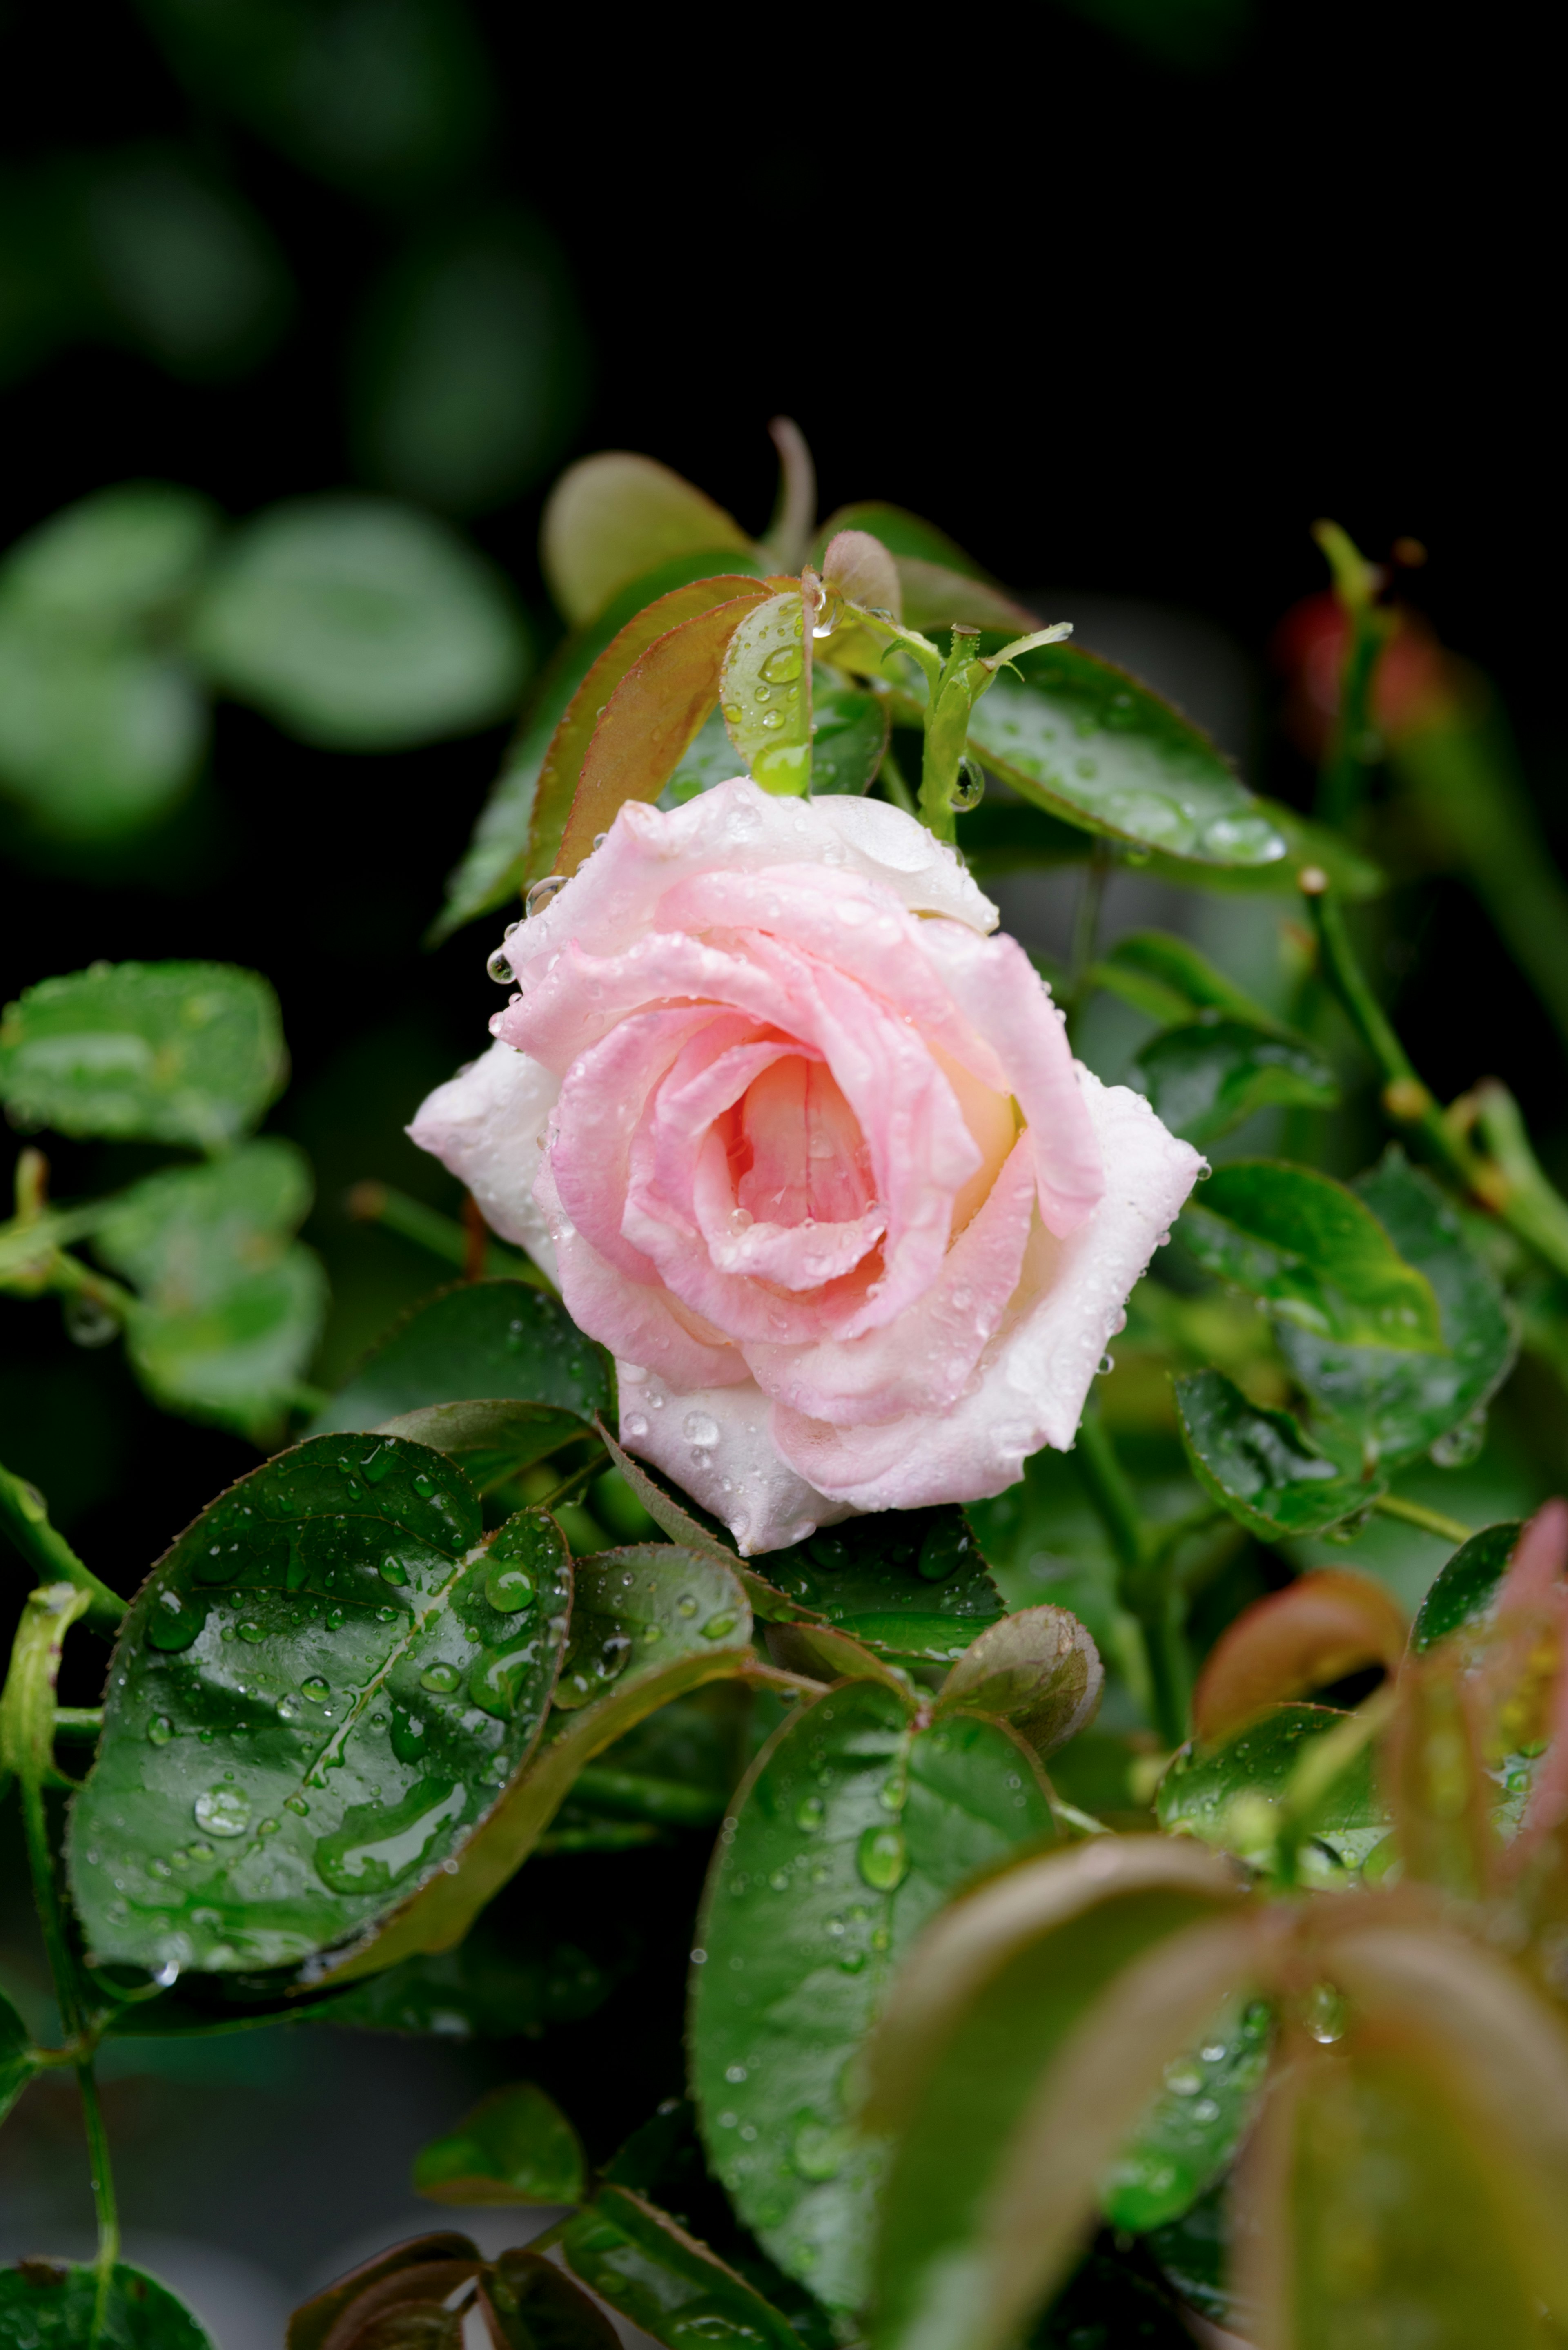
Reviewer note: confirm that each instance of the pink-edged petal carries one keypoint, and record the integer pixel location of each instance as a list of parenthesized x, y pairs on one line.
[(1035, 1375), (644, 1324), (923, 1363), (1011, 1005), (571, 1002), (488, 1126), (714, 1443)]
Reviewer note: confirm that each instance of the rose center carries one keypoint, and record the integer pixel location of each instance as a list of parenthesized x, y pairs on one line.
[(795, 1149)]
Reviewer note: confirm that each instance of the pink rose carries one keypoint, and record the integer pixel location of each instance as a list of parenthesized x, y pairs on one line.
[(809, 1151)]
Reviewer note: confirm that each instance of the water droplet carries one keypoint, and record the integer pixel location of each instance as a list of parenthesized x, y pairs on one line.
[(393, 1571), (266, 1827), (424, 1486), (296, 1803), (499, 966), (409, 1735), (540, 895), (969, 785), (316, 1689), (636, 1424), (1206, 2110), (810, 1812), (335, 1618), (380, 1845), (700, 1428), (882, 1857), (376, 1464), (1107, 1363), (686, 1604), (1324, 2014), (508, 1587), (174, 1622), (817, 2152), (160, 1730), (441, 1679), (717, 1625), (253, 1632), (1182, 2079), (894, 1794), (222, 1811), (779, 668)]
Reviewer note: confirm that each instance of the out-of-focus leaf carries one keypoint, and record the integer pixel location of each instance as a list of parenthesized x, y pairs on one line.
[(902, 532), (114, 561), (1437, 1785), (1226, 1798), (1257, 1463), (852, 1829), (1064, 1983), (764, 692), (611, 518), (51, 2302), (1355, 876), (492, 1442), (230, 1306), (1327, 1626), (1039, 1670), (1203, 1079), (905, 1583), (1465, 1591), (472, 364), (648, 1623), (426, 2267), (645, 2264), (1194, 2255), (528, 2304), (516, 2146), (479, 1341), (1397, 1404), (1087, 743), (1191, 2131), (1314, 1252), (517, 1976), (318, 1696), (96, 740), (185, 270), (858, 566), (1166, 977), (1006, 836), (848, 736), (938, 582), (16, 2068), (359, 625), (170, 1051)]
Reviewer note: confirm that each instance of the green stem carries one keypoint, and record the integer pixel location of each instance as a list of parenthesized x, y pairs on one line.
[(24, 1517), (578, 1477), (442, 1236), (103, 2195), (1146, 1586), (890, 776), (78, 1720), (1416, 1513)]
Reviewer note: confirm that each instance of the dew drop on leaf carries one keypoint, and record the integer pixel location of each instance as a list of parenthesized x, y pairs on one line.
[(222, 1811), (882, 1858), (316, 1689), (441, 1679), (160, 1730)]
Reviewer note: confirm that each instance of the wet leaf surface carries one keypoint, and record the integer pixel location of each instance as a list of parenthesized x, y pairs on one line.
[(764, 693), (905, 1583), (1191, 2131), (318, 1696), (1258, 1464), (1198, 1793), (850, 1832), (1169, 979), (1203, 1079), (644, 2264), (1466, 1590), (51, 2303), (477, 1341), (1313, 1252), (1038, 1669), (528, 2304), (848, 736)]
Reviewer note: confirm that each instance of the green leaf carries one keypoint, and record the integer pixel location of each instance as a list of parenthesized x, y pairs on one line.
[(96, 740), (16, 2065), (613, 518), (492, 1442), (229, 1307), (1039, 1670), (477, 1342), (1204, 1079), (1396, 1404), (851, 1830), (160, 1052), (494, 1984), (1314, 1252), (679, 1516), (1194, 2254), (1006, 836), (426, 2268), (1258, 1464), (516, 2146), (48, 2301), (1166, 977), (645, 2264), (1087, 743), (113, 562), (708, 759), (1192, 2130), (902, 532), (1220, 1798), (528, 2304), (764, 692), (648, 1623), (316, 1698), (848, 736), (1465, 1593), (904, 1582), (359, 625), (938, 582)]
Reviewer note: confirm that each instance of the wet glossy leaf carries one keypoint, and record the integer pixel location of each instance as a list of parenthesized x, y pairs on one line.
[(424, 2268), (612, 518), (1320, 1629), (1397, 1404), (1436, 1778), (360, 625), (677, 1515), (938, 583), (645, 2264), (1191, 2131), (230, 1306), (481, 1342), (1259, 1465), (1166, 977), (708, 759), (1194, 2254), (16, 2066), (1203, 1079), (852, 1830), (1314, 1252), (1066, 1976), (764, 692), (1465, 1593), (494, 1441), (848, 736), (1087, 743), (905, 1583), (114, 561), (170, 1052), (97, 740), (528, 2304), (648, 1623), (50, 2302), (1039, 1670), (1220, 1797), (315, 1699), (516, 2146)]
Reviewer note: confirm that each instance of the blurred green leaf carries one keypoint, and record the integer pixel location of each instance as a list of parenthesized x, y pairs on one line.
[(1192, 2130), (1314, 1252), (1193, 2253), (171, 1052), (495, 1984), (359, 625), (516, 2146), (614, 518), (52, 2300), (1353, 876), (645, 2264), (1194, 36), (852, 1830), (1205, 1079), (113, 562), (229, 1307), (472, 365), (1257, 1463), (1006, 836), (96, 740), (1465, 1591), (185, 270), (848, 735), (426, 2268), (1167, 978), (528, 2304), (316, 1701), (1396, 1404), (1225, 1797), (477, 1341), (902, 532)]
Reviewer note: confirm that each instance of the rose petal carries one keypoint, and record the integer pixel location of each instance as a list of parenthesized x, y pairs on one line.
[(642, 1322), (487, 1125), (714, 1443)]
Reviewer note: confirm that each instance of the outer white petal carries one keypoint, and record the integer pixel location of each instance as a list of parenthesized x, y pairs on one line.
[(487, 1125), (1033, 1378), (714, 1443)]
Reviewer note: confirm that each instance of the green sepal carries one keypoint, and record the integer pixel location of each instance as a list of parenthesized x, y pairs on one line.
[(28, 1700)]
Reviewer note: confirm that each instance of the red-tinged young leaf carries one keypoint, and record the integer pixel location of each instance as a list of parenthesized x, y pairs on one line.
[(409, 2271), (1039, 1670), (657, 664), (404, 2325), (1436, 1779), (1329, 1625), (613, 516), (516, 2146), (528, 2304), (644, 2264), (857, 565)]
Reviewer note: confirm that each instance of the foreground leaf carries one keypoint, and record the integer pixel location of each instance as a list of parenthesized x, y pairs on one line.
[(1314, 1252), (317, 1696), (1320, 1629), (764, 692), (614, 518), (481, 1342), (1190, 2133), (1257, 1465), (516, 2146), (851, 1831), (645, 2264), (1204, 1079), (426, 2268), (170, 1052), (50, 2302), (1228, 1797)]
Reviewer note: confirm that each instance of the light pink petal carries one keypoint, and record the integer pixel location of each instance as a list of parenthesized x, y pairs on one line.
[(924, 1361), (572, 1002), (644, 1324), (1035, 1375), (1011, 1005), (806, 1163), (487, 1125), (714, 1443)]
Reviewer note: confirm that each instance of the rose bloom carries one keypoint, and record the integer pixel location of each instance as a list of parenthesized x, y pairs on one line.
[(805, 1146)]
